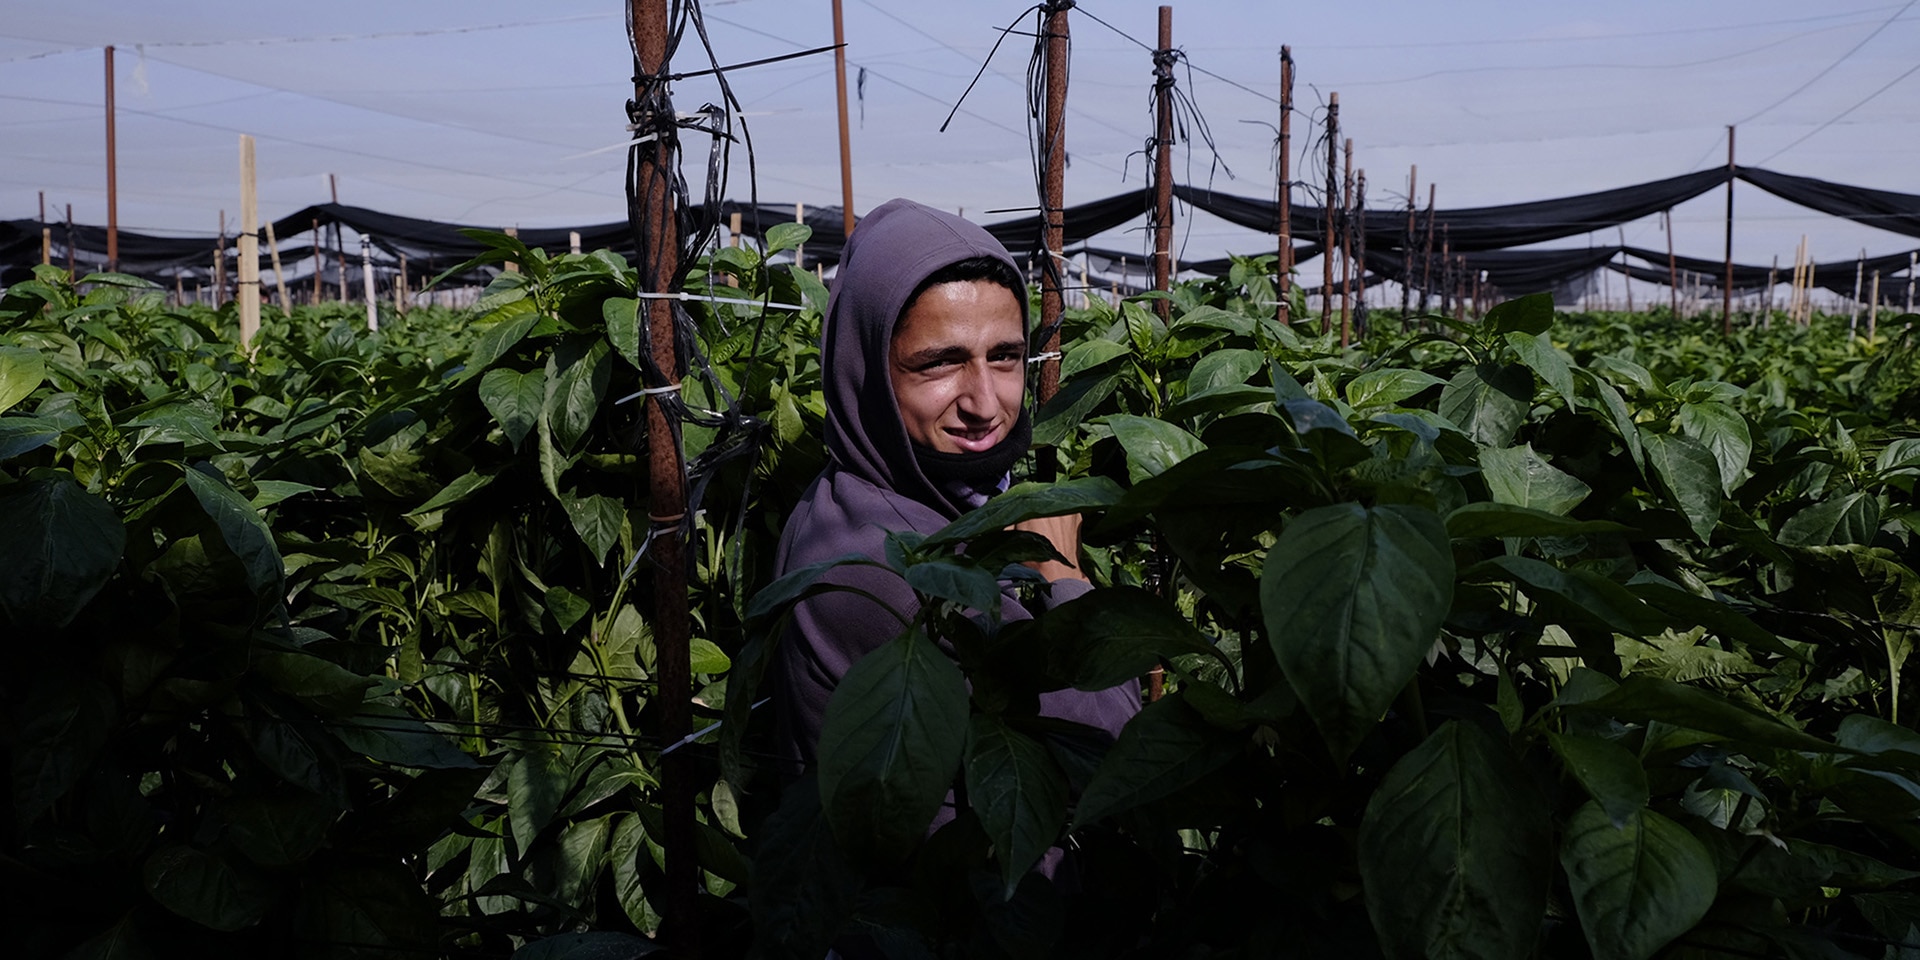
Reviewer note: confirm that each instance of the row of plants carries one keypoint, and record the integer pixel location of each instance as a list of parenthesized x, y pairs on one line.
[(1535, 635)]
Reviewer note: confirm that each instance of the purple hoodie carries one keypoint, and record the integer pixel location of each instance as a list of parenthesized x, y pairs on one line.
[(874, 484)]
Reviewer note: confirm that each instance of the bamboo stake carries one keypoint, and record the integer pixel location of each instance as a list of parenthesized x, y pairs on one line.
[(1328, 232), (733, 229), (573, 242), (1053, 190), (402, 290), (799, 216), (1283, 268), (249, 247), (1859, 277), (1163, 165), (1766, 304), (654, 176), (113, 180), (1806, 302), (514, 232), (1799, 274), (279, 278), (319, 258), (840, 93), (179, 290)]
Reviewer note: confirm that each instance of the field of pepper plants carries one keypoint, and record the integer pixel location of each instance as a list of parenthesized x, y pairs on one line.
[(1535, 635)]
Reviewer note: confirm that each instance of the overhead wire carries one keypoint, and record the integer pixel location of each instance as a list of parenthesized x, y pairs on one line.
[(1796, 91)]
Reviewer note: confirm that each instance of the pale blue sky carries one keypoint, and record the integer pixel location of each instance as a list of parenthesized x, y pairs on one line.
[(487, 112)]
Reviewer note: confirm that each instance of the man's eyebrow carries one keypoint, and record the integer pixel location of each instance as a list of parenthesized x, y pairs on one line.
[(1017, 346), (931, 354)]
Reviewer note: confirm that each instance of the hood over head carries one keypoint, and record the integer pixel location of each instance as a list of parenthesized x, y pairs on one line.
[(895, 247)]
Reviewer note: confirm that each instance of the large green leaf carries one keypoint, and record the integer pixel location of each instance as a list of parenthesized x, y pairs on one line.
[(1388, 386), (1618, 415), (1635, 887), (1026, 501), (1650, 698), (1454, 851), (63, 723), (1488, 519), (1353, 598), (1521, 477), (514, 398), (1848, 518), (320, 683), (1532, 313), (1115, 634), (537, 780), (1220, 368), (598, 520), (517, 319), (971, 587), (1165, 747), (21, 371), (1583, 594), (622, 315), (576, 381), (1610, 772), (597, 945), (1090, 355), (1721, 429), (1151, 445), (1691, 476), (1488, 402), (242, 529), (890, 745), (387, 732), (207, 888), (1537, 352), (61, 544), (1018, 792), (20, 435)]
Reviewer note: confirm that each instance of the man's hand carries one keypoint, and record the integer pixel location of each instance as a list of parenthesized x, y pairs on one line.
[(1064, 534)]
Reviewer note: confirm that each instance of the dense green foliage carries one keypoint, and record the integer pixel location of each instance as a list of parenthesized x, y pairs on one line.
[(1537, 635)]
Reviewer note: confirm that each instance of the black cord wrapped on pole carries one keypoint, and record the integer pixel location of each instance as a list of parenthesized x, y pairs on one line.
[(651, 189), (1163, 59)]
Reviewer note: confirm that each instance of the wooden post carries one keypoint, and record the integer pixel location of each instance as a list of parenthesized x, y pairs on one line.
[(733, 229), (1283, 268), (1626, 279), (1357, 233), (1426, 255), (1346, 247), (70, 272), (400, 291), (279, 278), (1766, 301), (179, 290), (1726, 290), (366, 282), (113, 181), (1053, 154), (573, 242), (654, 176), (1793, 287), (1446, 272), (511, 266), (1163, 165), (249, 247), (1806, 300), (840, 93), (1329, 233), (46, 233), (1673, 269)]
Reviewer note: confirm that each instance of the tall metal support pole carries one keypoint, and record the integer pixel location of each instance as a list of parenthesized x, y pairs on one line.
[(366, 282), (1673, 268), (1726, 292), (846, 142), (659, 256), (1283, 268), (1406, 247), (1346, 248), (113, 178), (1426, 255), (1052, 301), (1163, 164), (1329, 219), (1357, 235)]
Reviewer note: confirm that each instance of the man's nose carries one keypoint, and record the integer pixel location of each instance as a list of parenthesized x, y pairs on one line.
[(976, 391)]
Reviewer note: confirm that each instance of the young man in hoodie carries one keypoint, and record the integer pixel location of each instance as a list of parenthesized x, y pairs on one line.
[(923, 362)]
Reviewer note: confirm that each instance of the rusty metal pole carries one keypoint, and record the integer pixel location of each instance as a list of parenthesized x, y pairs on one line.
[(113, 178), (846, 142), (1163, 165), (659, 256), (1329, 234), (1052, 301), (1726, 292), (1283, 272)]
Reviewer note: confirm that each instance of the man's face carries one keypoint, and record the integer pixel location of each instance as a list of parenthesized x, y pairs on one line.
[(958, 366)]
